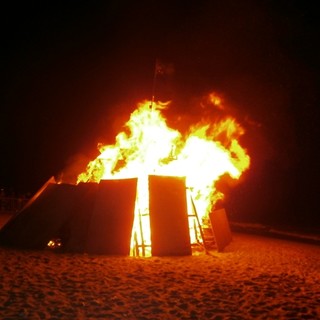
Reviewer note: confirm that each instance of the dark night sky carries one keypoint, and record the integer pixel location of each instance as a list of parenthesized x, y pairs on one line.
[(71, 75)]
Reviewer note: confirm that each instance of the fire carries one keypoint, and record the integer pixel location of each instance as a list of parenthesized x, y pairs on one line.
[(148, 146)]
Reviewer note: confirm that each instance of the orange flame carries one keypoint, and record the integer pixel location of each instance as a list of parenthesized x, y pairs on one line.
[(149, 146)]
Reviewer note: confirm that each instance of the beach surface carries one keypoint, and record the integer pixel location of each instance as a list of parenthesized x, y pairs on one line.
[(255, 277)]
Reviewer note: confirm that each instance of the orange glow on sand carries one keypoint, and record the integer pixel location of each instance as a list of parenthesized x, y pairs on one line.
[(148, 146)]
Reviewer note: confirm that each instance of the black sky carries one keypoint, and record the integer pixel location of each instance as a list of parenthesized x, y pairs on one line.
[(72, 73)]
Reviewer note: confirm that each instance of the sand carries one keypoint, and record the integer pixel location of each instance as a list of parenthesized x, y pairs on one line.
[(254, 278)]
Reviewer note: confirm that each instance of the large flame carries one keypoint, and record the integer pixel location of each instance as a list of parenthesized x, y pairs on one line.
[(148, 146)]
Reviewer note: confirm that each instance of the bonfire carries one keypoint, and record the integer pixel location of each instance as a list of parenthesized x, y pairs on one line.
[(152, 192), (148, 146)]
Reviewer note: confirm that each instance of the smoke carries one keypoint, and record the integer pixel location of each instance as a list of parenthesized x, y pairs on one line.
[(74, 166)]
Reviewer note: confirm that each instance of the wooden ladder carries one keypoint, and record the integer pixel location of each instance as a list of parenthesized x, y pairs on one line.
[(205, 240)]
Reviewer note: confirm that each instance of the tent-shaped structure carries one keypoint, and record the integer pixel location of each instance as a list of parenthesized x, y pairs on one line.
[(98, 218), (92, 218)]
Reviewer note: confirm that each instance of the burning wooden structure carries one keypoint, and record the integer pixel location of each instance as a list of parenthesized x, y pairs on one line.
[(148, 194)]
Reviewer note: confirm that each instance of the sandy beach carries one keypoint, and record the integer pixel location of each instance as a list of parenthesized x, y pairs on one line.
[(254, 278)]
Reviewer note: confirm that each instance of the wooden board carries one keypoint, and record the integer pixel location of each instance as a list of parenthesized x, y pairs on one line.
[(112, 217), (221, 229), (168, 216)]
